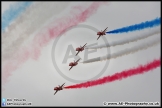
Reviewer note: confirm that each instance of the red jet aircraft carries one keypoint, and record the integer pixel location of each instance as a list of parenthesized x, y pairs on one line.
[(73, 63), (58, 88), (81, 48), (101, 33)]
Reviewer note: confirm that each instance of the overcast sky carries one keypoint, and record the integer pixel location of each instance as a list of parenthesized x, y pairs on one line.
[(35, 80)]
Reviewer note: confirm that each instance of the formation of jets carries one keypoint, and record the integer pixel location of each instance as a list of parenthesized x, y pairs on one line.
[(79, 49)]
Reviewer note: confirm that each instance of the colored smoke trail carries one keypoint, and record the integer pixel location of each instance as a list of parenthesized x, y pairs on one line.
[(29, 22), (57, 30), (13, 12), (141, 69), (41, 40), (140, 26), (151, 32), (126, 51)]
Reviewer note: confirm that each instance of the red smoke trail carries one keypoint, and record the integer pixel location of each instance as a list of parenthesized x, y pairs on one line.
[(61, 27), (40, 40), (119, 76)]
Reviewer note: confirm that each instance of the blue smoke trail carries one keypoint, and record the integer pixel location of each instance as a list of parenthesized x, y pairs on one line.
[(140, 26), (13, 12)]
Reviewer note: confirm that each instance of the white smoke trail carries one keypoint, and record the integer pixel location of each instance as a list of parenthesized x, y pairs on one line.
[(151, 32), (127, 51), (25, 25)]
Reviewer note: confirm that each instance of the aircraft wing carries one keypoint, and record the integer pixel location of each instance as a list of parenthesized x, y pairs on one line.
[(71, 67), (98, 37), (77, 60), (105, 29), (77, 53), (84, 45), (56, 92), (62, 85)]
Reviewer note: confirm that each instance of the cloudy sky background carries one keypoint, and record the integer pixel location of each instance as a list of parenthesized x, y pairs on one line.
[(35, 79)]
